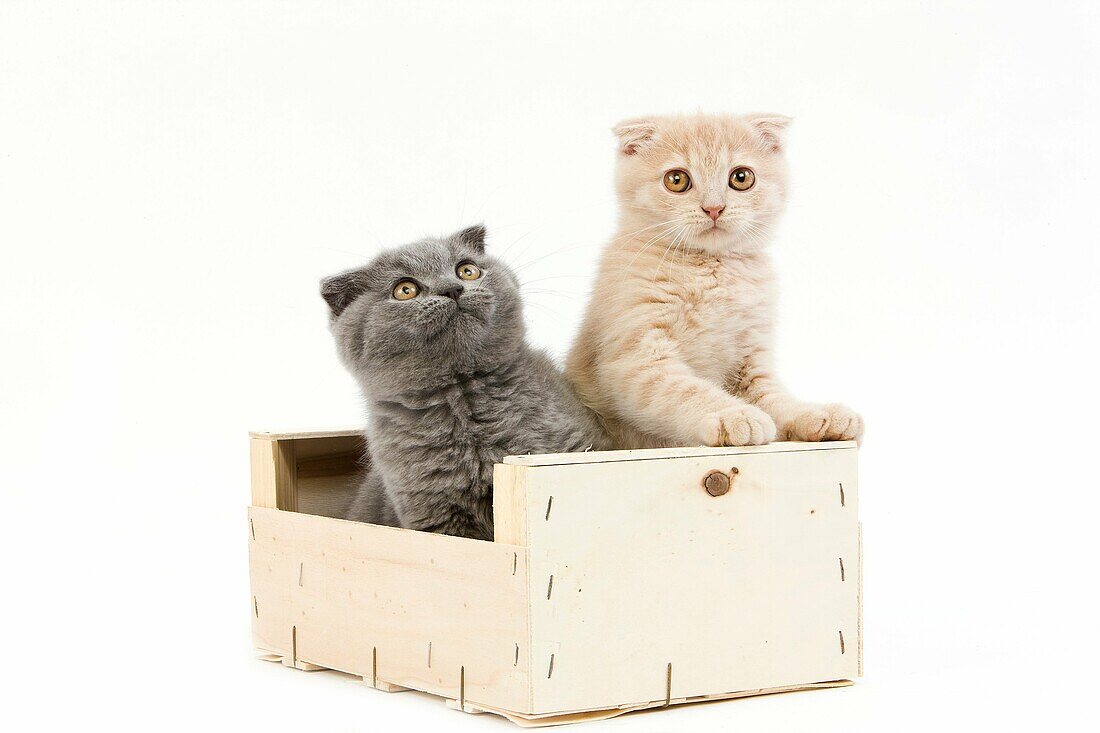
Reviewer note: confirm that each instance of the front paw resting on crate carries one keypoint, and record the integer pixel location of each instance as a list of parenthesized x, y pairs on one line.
[(816, 423), (738, 425)]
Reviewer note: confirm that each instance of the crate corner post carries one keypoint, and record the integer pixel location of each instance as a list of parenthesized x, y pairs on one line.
[(274, 472)]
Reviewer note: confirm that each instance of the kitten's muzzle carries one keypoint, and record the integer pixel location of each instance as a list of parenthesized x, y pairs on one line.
[(453, 292)]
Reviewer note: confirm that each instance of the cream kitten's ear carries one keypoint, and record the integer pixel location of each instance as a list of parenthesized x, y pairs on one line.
[(772, 130), (633, 134)]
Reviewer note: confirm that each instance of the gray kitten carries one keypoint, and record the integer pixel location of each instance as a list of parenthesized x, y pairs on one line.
[(433, 332)]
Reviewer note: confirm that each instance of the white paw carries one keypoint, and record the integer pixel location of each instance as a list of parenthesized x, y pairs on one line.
[(826, 422), (740, 425)]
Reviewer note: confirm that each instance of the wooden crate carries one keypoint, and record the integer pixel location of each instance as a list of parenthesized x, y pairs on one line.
[(617, 581)]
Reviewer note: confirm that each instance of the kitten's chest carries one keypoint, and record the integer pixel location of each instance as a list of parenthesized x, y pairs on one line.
[(459, 431), (483, 416), (724, 315)]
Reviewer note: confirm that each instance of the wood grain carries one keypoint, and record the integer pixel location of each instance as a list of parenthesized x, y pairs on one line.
[(637, 567), (368, 600)]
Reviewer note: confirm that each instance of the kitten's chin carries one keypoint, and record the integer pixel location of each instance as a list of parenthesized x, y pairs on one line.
[(457, 320), (714, 240), (721, 241)]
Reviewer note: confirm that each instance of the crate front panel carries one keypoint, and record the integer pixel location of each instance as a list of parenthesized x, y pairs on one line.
[(737, 592), (441, 614)]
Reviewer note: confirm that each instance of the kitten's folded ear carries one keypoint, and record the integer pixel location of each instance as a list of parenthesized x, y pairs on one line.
[(341, 290), (772, 129), (473, 237), (635, 133)]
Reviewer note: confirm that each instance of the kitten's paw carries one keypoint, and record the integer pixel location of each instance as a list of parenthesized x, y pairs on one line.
[(826, 422), (741, 425)]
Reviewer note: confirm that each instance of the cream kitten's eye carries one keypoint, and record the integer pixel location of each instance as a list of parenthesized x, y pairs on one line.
[(468, 271), (677, 180), (406, 290), (742, 179)]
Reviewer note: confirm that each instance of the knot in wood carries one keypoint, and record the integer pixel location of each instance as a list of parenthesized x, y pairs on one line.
[(716, 483)]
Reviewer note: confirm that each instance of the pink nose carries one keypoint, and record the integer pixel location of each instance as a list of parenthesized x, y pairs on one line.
[(714, 211)]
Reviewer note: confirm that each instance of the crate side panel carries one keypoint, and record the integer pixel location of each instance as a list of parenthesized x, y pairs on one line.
[(270, 561), (409, 608), (736, 592)]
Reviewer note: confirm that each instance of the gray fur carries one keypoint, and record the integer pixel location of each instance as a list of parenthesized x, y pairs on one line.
[(450, 383)]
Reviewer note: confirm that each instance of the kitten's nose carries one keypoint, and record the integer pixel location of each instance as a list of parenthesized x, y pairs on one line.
[(453, 292), (714, 211)]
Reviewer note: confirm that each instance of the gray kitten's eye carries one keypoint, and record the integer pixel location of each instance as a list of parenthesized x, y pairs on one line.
[(742, 179), (468, 271), (405, 290), (677, 180)]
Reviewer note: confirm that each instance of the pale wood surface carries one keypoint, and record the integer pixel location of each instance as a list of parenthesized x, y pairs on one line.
[(274, 474), (509, 505), (737, 592), (555, 459), (303, 434), (327, 496), (307, 473), (549, 719), (328, 471), (368, 600)]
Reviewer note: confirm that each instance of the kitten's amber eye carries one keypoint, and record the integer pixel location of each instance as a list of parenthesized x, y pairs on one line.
[(405, 290), (677, 181), (742, 179), (468, 271)]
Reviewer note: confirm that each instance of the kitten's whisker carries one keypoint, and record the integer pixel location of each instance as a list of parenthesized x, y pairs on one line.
[(520, 268), (519, 239), (651, 226), (552, 277), (491, 192), (650, 243), (667, 250), (556, 315), (552, 292), (681, 235)]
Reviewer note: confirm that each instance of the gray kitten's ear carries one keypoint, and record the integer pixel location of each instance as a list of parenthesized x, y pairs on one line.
[(340, 291), (633, 134), (473, 237), (771, 129)]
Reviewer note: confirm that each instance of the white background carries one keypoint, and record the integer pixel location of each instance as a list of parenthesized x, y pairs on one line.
[(176, 177)]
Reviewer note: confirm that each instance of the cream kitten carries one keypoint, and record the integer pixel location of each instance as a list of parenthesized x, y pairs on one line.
[(676, 345)]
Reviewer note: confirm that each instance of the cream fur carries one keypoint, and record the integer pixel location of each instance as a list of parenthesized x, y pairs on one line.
[(676, 345)]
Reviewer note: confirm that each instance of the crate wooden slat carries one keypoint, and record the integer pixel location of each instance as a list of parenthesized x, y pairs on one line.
[(649, 454), (370, 600)]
